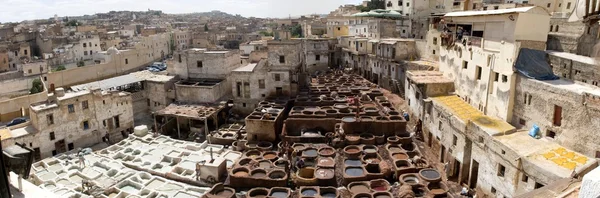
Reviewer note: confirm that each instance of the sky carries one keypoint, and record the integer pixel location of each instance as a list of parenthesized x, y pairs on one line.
[(19, 10)]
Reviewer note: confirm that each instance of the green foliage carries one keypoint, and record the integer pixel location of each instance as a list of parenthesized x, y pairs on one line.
[(60, 68), (36, 86), (72, 23), (296, 31), (172, 44), (265, 33), (80, 64), (372, 5), (362, 8), (206, 27)]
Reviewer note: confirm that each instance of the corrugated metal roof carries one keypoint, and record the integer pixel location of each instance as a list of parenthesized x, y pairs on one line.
[(108, 83), (490, 12)]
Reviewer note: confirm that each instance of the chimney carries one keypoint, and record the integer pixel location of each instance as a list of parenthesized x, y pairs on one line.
[(51, 98), (59, 92)]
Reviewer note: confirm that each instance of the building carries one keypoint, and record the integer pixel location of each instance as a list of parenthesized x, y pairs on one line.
[(199, 63), (4, 63), (77, 119), (481, 64), (251, 84), (182, 39), (338, 26), (320, 54)]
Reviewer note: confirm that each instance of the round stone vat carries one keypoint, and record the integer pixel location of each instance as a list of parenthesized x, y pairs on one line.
[(408, 147), (265, 146), (308, 192), (244, 161), (382, 195), (270, 155), (410, 179), (352, 150), (370, 149), (280, 192), (327, 152), (277, 174), (307, 173), (419, 190), (395, 149), (400, 156), (310, 153), (328, 192), (253, 153), (240, 172), (281, 163), (430, 175), (367, 138), (264, 164), (298, 147), (380, 185), (437, 188), (393, 140), (354, 171), (258, 192), (226, 192), (258, 173), (362, 195), (325, 173), (325, 162), (359, 187)]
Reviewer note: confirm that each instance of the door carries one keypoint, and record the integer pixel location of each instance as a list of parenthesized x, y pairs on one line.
[(557, 115), (474, 172), (443, 154), (60, 146)]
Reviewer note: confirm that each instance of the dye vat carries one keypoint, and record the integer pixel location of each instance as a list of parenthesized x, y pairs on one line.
[(324, 173), (308, 192), (279, 194), (224, 193), (326, 152), (400, 156), (258, 173), (410, 179), (430, 175), (328, 192), (270, 155), (370, 149), (352, 162), (240, 172), (277, 174), (354, 172), (395, 149), (357, 188), (264, 164), (326, 162), (309, 153), (382, 195)]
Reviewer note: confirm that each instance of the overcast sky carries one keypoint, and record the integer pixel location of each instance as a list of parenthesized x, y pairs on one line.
[(19, 10)]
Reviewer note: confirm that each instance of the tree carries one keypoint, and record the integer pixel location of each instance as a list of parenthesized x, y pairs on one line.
[(372, 5), (72, 23), (296, 31), (206, 27), (265, 33), (80, 64), (60, 68), (36, 86)]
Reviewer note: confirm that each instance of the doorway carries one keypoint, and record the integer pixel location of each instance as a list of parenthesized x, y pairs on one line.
[(474, 176), (443, 154), (453, 174), (60, 146), (557, 115)]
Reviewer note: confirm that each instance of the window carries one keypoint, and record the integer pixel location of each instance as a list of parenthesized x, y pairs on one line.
[(485, 8), (524, 178), (456, 3), (433, 52), (560, 4), (557, 121), (117, 124), (339, 28), (435, 40), (399, 3), (495, 7), (71, 146), (244, 104), (569, 5), (480, 139), (454, 140), (407, 4), (501, 170), (277, 77), (503, 152), (522, 122), (504, 78), (493, 190), (85, 53), (551, 27), (104, 123), (440, 125), (50, 119), (52, 136), (538, 185), (550, 134), (199, 64), (71, 108), (84, 105), (496, 76), (556, 28), (54, 152), (126, 61), (318, 57), (179, 58), (84, 44), (525, 2), (86, 125), (478, 73), (281, 59), (261, 84), (29, 71), (548, 5), (465, 64)]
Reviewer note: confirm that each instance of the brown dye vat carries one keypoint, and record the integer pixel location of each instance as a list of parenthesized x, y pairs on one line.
[(359, 188), (277, 174), (395, 149), (352, 150), (242, 172), (269, 156), (400, 156), (224, 193), (258, 173), (264, 164), (353, 137), (326, 151), (298, 147), (372, 160)]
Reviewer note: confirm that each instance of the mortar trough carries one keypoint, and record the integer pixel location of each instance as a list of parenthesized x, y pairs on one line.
[(354, 172)]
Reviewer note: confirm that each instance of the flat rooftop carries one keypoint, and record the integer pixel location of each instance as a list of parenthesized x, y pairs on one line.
[(570, 86), (192, 111), (427, 77), (200, 82), (468, 113), (544, 154), (574, 57), (117, 81), (246, 68)]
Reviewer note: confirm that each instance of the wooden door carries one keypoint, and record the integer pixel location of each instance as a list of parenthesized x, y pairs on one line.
[(60, 146), (557, 115)]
